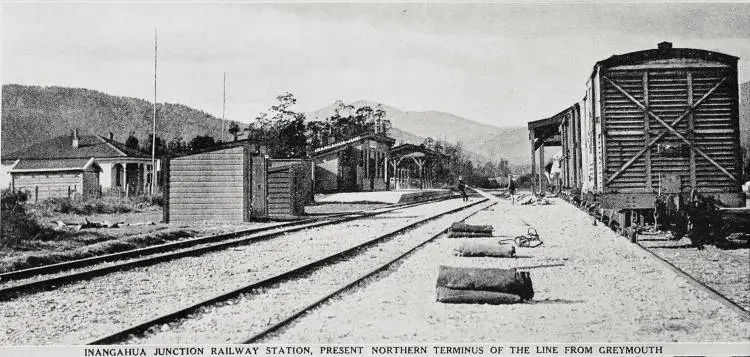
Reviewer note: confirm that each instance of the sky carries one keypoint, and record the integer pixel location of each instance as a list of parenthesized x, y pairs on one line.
[(501, 64)]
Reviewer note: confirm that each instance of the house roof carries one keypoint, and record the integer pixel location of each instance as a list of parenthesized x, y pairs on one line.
[(88, 146), (344, 143), (84, 164)]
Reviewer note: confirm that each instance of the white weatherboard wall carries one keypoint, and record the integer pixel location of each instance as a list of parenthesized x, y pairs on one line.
[(5, 178)]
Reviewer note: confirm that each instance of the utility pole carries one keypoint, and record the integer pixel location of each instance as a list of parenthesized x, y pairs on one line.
[(153, 135), (223, 106)]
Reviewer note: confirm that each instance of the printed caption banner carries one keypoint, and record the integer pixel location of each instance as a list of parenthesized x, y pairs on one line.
[(499, 349)]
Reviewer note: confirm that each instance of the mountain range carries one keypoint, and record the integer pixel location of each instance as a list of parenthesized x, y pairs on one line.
[(482, 142), (32, 114)]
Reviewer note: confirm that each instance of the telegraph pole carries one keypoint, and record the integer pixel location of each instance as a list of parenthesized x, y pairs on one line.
[(153, 135), (223, 106)]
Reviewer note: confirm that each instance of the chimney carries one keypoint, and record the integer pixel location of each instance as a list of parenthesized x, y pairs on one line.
[(665, 46), (111, 136), (75, 138)]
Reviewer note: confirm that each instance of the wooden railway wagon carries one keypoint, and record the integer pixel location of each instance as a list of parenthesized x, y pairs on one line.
[(656, 122)]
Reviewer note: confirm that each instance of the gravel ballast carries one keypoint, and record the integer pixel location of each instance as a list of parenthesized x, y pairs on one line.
[(608, 290), (83, 311), (236, 320)]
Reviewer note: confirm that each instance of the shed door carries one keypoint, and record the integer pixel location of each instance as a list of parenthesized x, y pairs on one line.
[(259, 190)]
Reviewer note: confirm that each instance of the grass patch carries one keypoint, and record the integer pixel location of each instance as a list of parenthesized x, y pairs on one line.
[(79, 245)]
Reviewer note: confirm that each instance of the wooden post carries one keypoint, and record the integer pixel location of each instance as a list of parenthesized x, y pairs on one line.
[(246, 183), (542, 164), (36, 194), (646, 135), (259, 181), (533, 162), (165, 193), (691, 132)]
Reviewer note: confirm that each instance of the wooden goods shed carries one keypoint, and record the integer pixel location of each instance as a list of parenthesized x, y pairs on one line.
[(289, 187), (225, 183), (63, 178)]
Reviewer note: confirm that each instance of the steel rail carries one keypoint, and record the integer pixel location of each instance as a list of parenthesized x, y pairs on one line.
[(78, 263), (291, 273), (721, 298), (10, 292), (298, 313), (713, 293)]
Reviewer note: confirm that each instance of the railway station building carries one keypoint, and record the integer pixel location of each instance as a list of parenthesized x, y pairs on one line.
[(356, 164)]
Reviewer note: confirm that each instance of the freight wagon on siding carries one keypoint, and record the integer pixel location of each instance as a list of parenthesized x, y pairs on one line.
[(652, 123)]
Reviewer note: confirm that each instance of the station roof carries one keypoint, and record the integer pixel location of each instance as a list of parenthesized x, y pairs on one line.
[(412, 150), (343, 143)]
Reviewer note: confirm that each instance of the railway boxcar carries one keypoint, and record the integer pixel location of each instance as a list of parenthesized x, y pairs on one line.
[(663, 121), (652, 123)]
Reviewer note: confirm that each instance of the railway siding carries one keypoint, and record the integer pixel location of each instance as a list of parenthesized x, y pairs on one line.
[(82, 311), (607, 290), (235, 320)]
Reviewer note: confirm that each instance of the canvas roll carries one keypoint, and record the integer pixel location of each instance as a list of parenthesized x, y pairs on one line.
[(463, 227), (469, 234), (486, 249), (454, 296), (509, 281)]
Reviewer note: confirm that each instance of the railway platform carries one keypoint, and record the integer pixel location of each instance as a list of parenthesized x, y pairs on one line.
[(591, 285), (390, 197)]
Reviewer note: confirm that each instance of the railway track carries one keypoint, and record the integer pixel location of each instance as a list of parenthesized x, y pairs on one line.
[(353, 257), (713, 293), (101, 265)]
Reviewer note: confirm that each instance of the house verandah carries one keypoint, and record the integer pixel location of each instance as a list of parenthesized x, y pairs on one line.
[(123, 170)]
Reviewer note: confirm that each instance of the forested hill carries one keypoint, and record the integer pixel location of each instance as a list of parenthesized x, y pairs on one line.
[(32, 114)]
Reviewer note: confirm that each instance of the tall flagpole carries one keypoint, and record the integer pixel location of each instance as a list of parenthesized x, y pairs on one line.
[(223, 106), (153, 135)]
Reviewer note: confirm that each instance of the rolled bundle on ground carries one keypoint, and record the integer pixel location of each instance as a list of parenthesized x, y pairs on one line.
[(486, 249), (469, 234), (508, 281), (454, 296), (463, 227)]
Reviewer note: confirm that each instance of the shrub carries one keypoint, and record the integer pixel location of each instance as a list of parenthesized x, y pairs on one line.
[(524, 181), (106, 204), (17, 224)]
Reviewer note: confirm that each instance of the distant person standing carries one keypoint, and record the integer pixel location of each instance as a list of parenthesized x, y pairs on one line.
[(462, 188), (512, 189)]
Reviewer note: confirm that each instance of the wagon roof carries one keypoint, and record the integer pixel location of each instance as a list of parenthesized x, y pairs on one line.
[(88, 146), (666, 53)]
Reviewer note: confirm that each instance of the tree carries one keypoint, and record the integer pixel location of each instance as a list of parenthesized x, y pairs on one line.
[(201, 142), (132, 141), (176, 146), (234, 129), (161, 147), (282, 128)]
